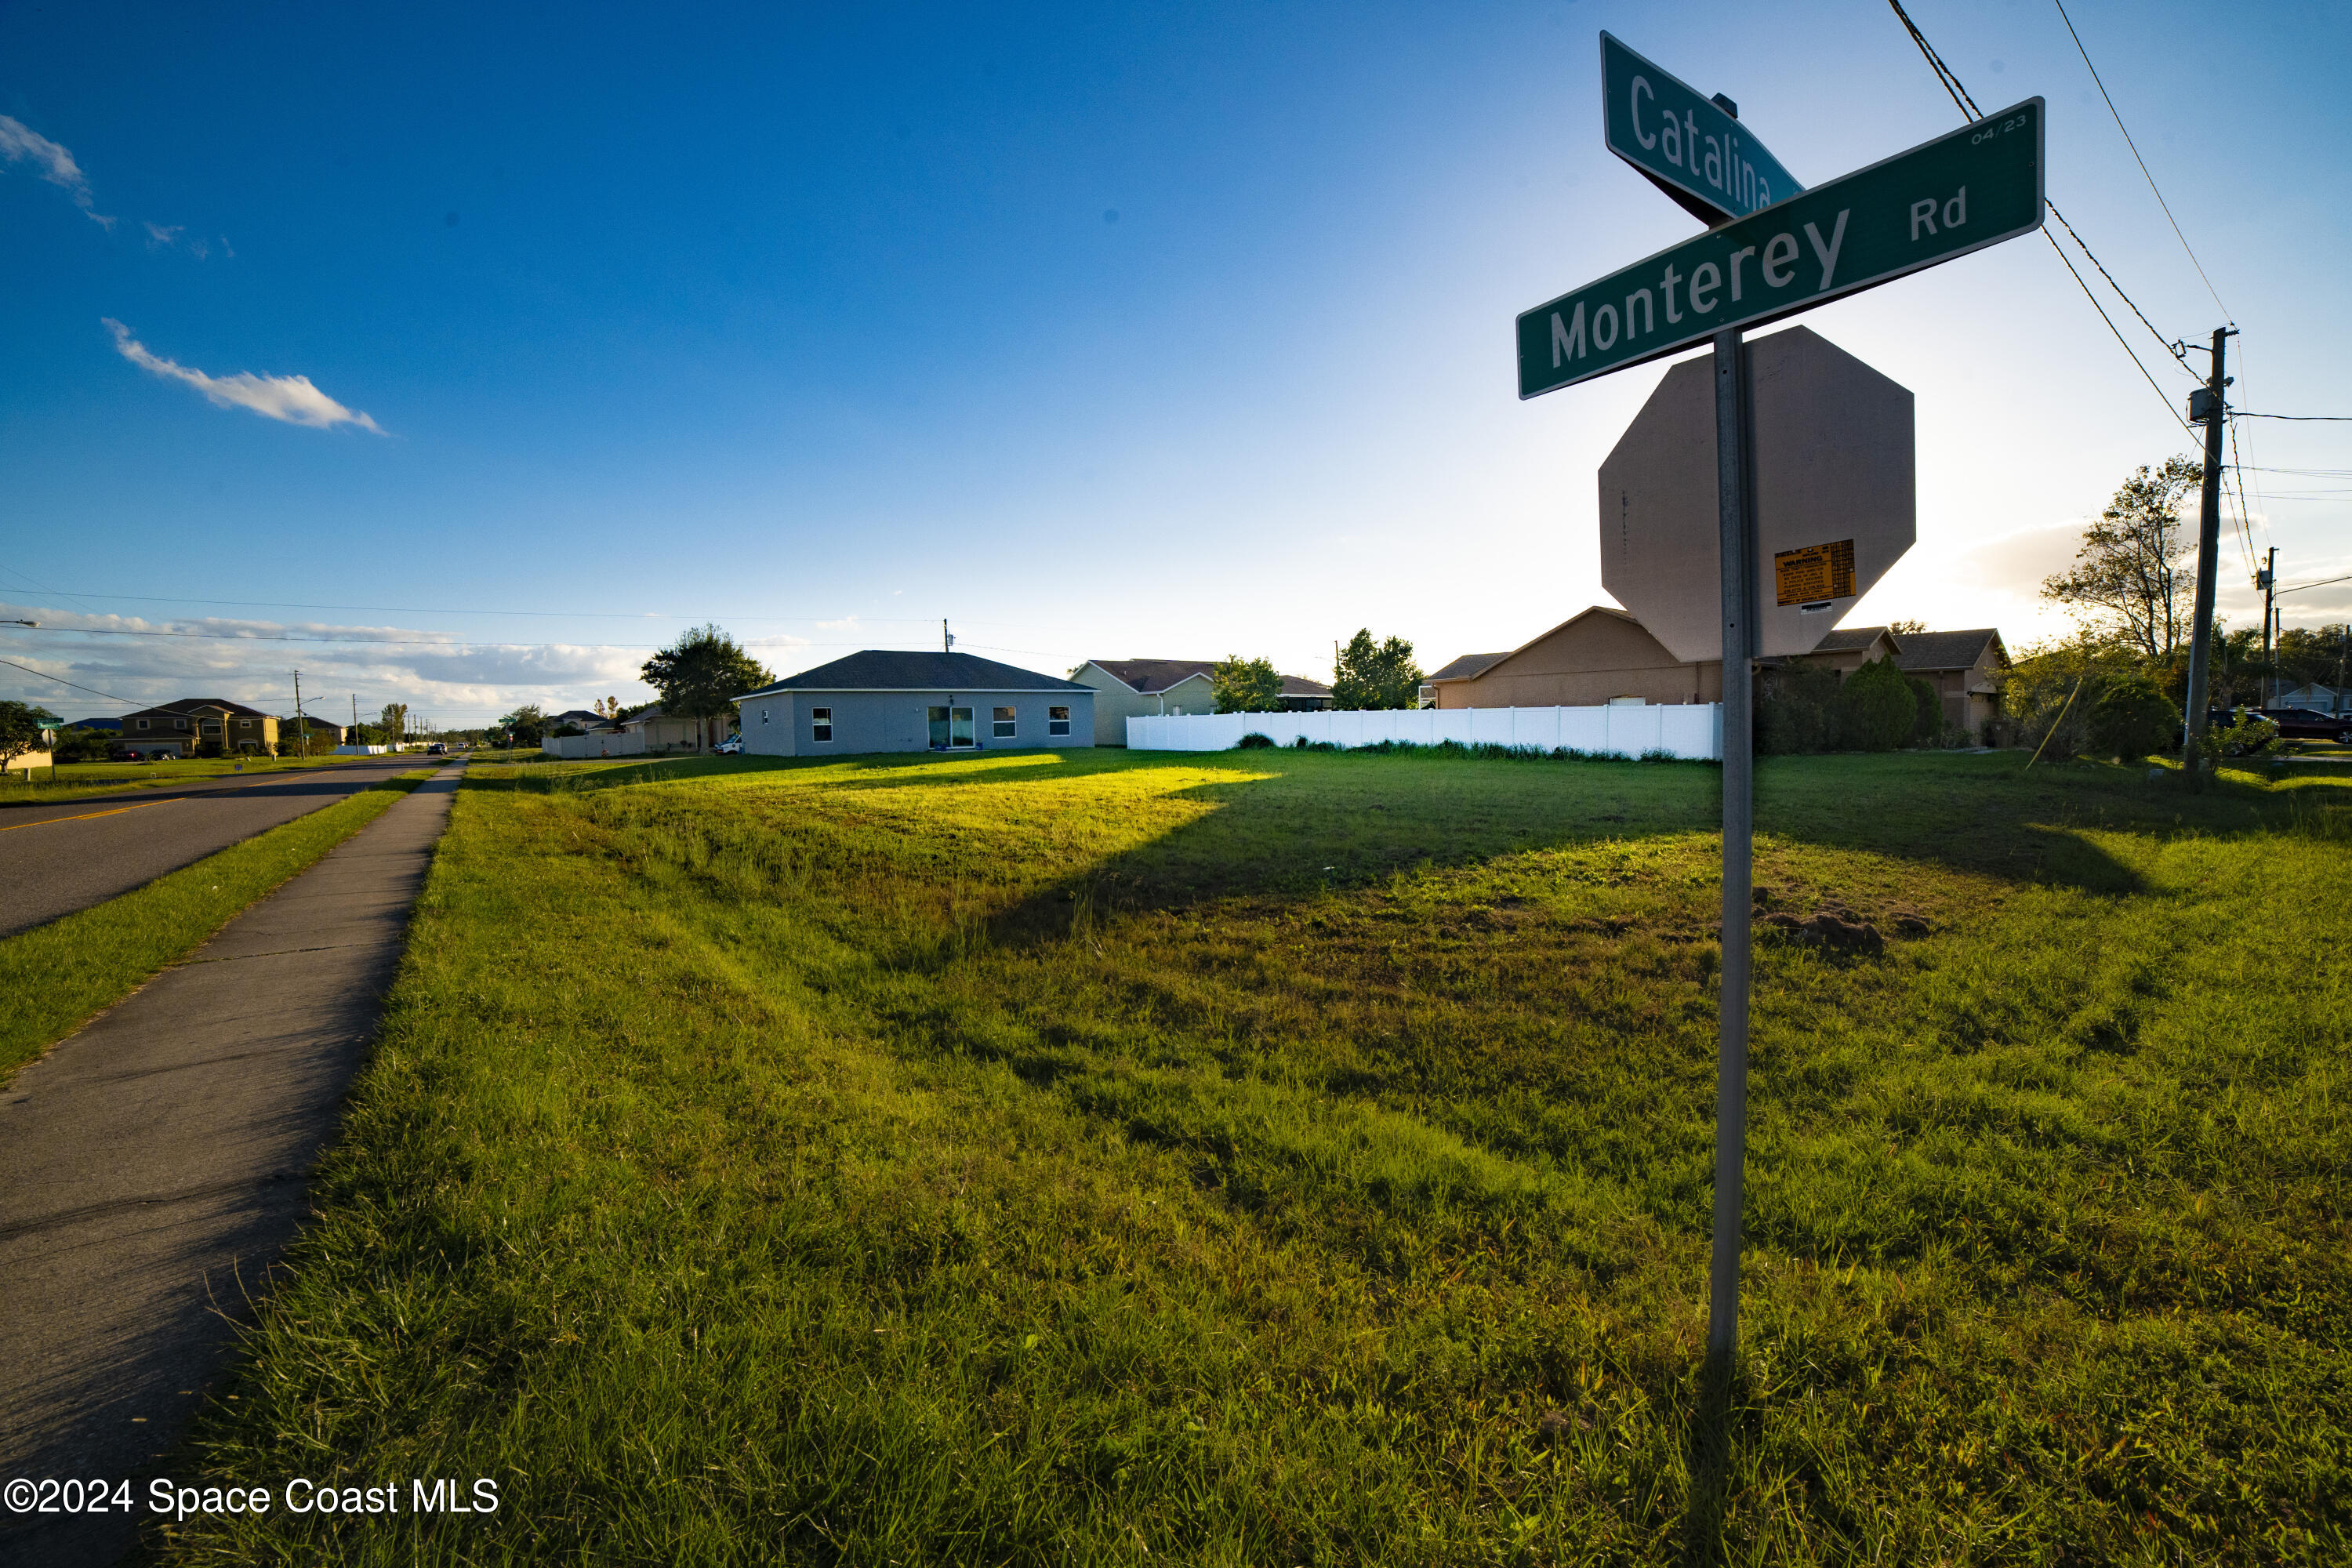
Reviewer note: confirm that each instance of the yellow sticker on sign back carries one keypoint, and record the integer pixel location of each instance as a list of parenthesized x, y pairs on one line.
[(1815, 574)]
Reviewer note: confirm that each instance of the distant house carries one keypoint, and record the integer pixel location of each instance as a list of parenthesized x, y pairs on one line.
[(197, 724), (580, 716), (102, 726), (1965, 668), (322, 736), (2326, 699), (1131, 687), (882, 700), (659, 731), (1600, 655)]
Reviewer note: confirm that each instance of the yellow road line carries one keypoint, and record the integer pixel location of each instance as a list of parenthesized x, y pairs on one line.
[(85, 816)]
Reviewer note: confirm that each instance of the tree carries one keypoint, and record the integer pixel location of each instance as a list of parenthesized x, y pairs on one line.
[(2127, 580), (607, 709), (527, 724), (1375, 675), (21, 724), (700, 674), (1907, 628), (394, 722), (1247, 685), (1880, 709)]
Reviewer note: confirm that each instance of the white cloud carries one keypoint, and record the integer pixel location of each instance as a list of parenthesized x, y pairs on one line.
[(290, 398), (19, 144)]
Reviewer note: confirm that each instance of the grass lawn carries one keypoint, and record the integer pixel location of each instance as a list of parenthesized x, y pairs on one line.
[(75, 780), (57, 975), (1279, 1158)]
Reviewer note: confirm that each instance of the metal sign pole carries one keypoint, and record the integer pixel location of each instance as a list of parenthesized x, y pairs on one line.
[(1737, 531)]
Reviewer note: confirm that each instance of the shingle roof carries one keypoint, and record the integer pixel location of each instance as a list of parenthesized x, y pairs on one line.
[(893, 669), (1467, 666), (1852, 639), (1149, 674), (1944, 650)]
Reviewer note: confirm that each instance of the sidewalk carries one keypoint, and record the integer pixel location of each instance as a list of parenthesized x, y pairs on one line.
[(152, 1170)]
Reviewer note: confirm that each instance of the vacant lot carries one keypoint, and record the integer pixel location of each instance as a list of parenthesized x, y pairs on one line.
[(1272, 1157), (72, 781)]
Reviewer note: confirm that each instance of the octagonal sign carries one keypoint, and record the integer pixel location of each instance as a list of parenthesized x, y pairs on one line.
[(1836, 502)]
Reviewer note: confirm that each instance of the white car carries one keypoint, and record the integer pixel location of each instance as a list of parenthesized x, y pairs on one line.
[(732, 746)]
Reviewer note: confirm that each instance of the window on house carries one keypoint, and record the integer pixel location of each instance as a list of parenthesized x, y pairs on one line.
[(179, 723), (1005, 725), (1057, 721), (142, 723), (245, 723), (959, 728), (820, 723)]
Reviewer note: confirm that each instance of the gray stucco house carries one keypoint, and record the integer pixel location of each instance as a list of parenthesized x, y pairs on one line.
[(886, 700)]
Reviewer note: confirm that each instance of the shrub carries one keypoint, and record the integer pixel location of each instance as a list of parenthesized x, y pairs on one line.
[(2132, 718), (1878, 707), (1927, 730), (1253, 742), (1800, 711)]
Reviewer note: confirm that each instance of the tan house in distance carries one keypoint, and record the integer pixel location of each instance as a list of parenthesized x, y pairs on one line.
[(1966, 669), (1138, 688), (197, 725), (1600, 655)]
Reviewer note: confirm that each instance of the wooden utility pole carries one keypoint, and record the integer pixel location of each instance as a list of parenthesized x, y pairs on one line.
[(2209, 549), (302, 725), (2267, 580)]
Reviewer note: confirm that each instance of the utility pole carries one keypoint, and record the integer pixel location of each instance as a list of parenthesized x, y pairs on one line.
[(2267, 581), (2209, 549), (302, 725), (1737, 532), (947, 640)]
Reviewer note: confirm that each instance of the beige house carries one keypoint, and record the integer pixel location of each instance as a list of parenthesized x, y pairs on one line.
[(197, 726), (1134, 687), (1600, 655), (658, 732), (1966, 669)]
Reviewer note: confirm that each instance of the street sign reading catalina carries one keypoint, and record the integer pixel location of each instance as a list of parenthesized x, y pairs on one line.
[(1689, 146), (1773, 251)]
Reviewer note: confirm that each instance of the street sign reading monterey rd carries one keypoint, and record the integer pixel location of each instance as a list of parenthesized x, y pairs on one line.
[(1690, 149), (1974, 188)]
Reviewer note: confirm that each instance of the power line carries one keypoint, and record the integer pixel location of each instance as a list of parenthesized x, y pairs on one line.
[(2137, 159), (62, 680), (1967, 106), (421, 643), (2317, 418), (425, 610)]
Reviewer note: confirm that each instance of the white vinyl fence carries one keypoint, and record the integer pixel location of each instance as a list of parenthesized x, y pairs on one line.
[(1693, 730)]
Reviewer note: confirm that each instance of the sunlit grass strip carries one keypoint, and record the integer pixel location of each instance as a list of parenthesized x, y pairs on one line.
[(56, 976)]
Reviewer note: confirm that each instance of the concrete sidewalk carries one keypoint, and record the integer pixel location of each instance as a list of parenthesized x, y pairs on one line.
[(152, 1166)]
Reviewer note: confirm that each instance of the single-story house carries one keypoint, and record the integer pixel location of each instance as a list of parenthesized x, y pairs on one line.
[(658, 732), (578, 716), (884, 700), (2326, 699), (1965, 668), (1598, 656), (323, 737), (102, 726), (1131, 688), (194, 724), (1463, 669)]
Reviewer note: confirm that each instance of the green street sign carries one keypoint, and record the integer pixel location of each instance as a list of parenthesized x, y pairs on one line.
[(1690, 149), (1974, 188)]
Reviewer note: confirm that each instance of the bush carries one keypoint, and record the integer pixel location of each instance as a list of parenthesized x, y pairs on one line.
[(1878, 707), (2133, 718), (1253, 742), (1800, 711), (1927, 730), (80, 745)]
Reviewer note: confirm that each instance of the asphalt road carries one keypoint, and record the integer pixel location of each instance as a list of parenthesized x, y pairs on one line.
[(154, 1166), (55, 859)]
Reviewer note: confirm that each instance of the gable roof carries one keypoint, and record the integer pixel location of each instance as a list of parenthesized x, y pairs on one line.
[(1469, 666), (101, 724), (1853, 639), (1590, 610), (895, 669), (1145, 676), (1948, 651)]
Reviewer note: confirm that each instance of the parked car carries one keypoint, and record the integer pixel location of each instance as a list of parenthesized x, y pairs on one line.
[(2311, 724), (437, 749), (732, 746)]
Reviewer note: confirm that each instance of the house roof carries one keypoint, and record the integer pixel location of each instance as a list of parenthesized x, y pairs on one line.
[(186, 707), (1853, 639), (1147, 676), (580, 716), (895, 669), (96, 724), (1947, 650), (1469, 666)]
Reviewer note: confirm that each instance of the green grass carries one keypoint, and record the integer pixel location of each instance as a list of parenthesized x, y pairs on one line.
[(56, 976), (1235, 1158), (73, 780)]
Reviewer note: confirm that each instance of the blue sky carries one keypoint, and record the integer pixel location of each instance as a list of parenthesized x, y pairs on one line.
[(1176, 331)]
